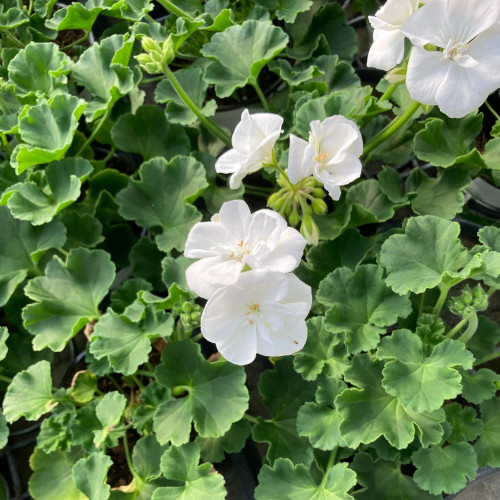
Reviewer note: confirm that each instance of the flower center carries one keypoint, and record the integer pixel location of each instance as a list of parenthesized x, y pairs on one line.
[(252, 312), (240, 251), (321, 158), (455, 50)]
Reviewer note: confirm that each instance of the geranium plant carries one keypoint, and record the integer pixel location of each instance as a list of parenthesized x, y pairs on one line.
[(313, 246)]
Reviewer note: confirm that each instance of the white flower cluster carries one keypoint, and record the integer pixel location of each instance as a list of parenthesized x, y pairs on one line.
[(261, 310), (455, 59), (331, 155)]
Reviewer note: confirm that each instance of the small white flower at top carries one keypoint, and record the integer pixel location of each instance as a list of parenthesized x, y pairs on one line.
[(235, 238), (253, 141), (388, 47), (331, 155), (262, 312), (459, 77)]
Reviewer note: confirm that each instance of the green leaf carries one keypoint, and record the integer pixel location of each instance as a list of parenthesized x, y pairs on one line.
[(147, 203), (488, 445), (444, 469), (4, 335), (216, 395), (83, 386), (424, 256), (319, 24), (286, 481), (320, 355), (295, 75), (67, 297), (83, 229), (360, 305), (213, 449), (419, 380), (89, 475), (486, 338), (445, 141), (47, 130), (441, 196), (127, 343), (126, 293), (286, 10), (382, 478), (148, 133), (283, 391), (146, 259), (390, 182), (29, 395), (4, 431), (152, 397), (196, 88), (368, 412), (108, 411), (320, 425), (480, 385), (12, 17), (21, 249), (348, 250), (464, 423), (51, 478), (146, 457), (55, 429), (181, 464), (63, 182), (75, 16), (110, 60), (39, 70), (240, 53)]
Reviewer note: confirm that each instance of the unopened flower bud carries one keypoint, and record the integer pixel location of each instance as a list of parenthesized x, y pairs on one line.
[(294, 218), (319, 206), (309, 230), (318, 193)]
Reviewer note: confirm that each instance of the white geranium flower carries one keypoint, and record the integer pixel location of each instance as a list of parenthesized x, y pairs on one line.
[(459, 78), (263, 312), (388, 47), (235, 238), (253, 141), (331, 155)]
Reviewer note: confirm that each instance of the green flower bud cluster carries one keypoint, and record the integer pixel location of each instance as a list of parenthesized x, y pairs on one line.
[(298, 202), (189, 315), (157, 55), (469, 301)]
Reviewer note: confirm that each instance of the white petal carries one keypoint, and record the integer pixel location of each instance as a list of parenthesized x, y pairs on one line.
[(235, 216), (206, 239), (428, 25), (263, 235), (468, 19), (387, 50), (207, 275), (485, 49), (462, 91), (426, 73), (288, 253), (223, 321), (268, 123), (229, 162), (347, 170), (286, 341), (263, 285), (241, 135), (337, 135), (261, 153), (396, 12), (296, 170), (334, 191), (299, 296)]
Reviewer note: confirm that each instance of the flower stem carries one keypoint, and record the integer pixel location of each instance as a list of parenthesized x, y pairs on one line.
[(442, 299), (329, 465), (261, 95), (174, 9), (197, 337), (145, 373), (489, 357), (15, 41), (78, 42), (492, 110), (388, 93), (457, 327), (94, 132), (129, 460), (250, 418), (5, 379), (471, 329), (391, 128), (138, 382), (209, 124)]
